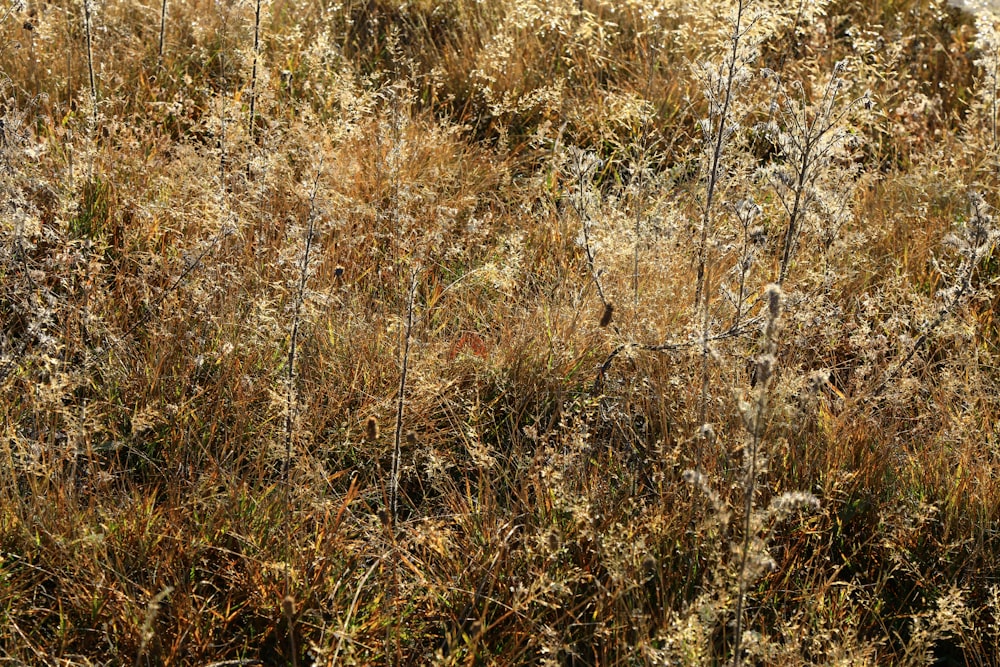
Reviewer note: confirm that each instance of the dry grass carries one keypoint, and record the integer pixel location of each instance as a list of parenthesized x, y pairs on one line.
[(606, 451)]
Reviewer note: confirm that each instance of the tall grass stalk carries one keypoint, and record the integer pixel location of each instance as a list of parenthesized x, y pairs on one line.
[(253, 71), (641, 175), (88, 29), (163, 30), (291, 405), (401, 403)]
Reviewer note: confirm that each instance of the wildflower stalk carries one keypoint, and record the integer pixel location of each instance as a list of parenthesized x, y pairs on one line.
[(977, 243), (811, 142), (720, 131), (746, 212), (718, 127), (293, 343)]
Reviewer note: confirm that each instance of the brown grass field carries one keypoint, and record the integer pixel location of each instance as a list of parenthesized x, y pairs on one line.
[(499, 332)]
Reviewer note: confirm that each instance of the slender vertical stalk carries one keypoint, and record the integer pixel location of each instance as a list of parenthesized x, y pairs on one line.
[(746, 212), (796, 212), (69, 63), (163, 30), (253, 73), (400, 404), (584, 166), (635, 262), (749, 488), (396, 155), (641, 175), (585, 223), (813, 148), (765, 371), (289, 603), (87, 18), (714, 172), (393, 656), (702, 297)]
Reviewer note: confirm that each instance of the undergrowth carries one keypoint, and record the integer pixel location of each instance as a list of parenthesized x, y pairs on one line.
[(567, 332)]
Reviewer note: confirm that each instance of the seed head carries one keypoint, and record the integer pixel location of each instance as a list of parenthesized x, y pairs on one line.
[(371, 429), (765, 367), (649, 564), (609, 311), (288, 606), (773, 297)]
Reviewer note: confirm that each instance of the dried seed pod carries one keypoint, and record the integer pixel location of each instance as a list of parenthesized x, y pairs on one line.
[(606, 316), (371, 429), (773, 297), (288, 606)]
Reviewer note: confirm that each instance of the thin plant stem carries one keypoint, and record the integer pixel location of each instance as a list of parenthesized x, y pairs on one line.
[(291, 403), (401, 404), (582, 166), (641, 175), (702, 298), (163, 30), (253, 72), (765, 373), (749, 488), (88, 19), (716, 160)]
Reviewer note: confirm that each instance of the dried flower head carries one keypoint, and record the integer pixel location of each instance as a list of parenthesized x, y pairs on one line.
[(609, 311), (772, 296), (288, 606), (765, 367), (371, 429)]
